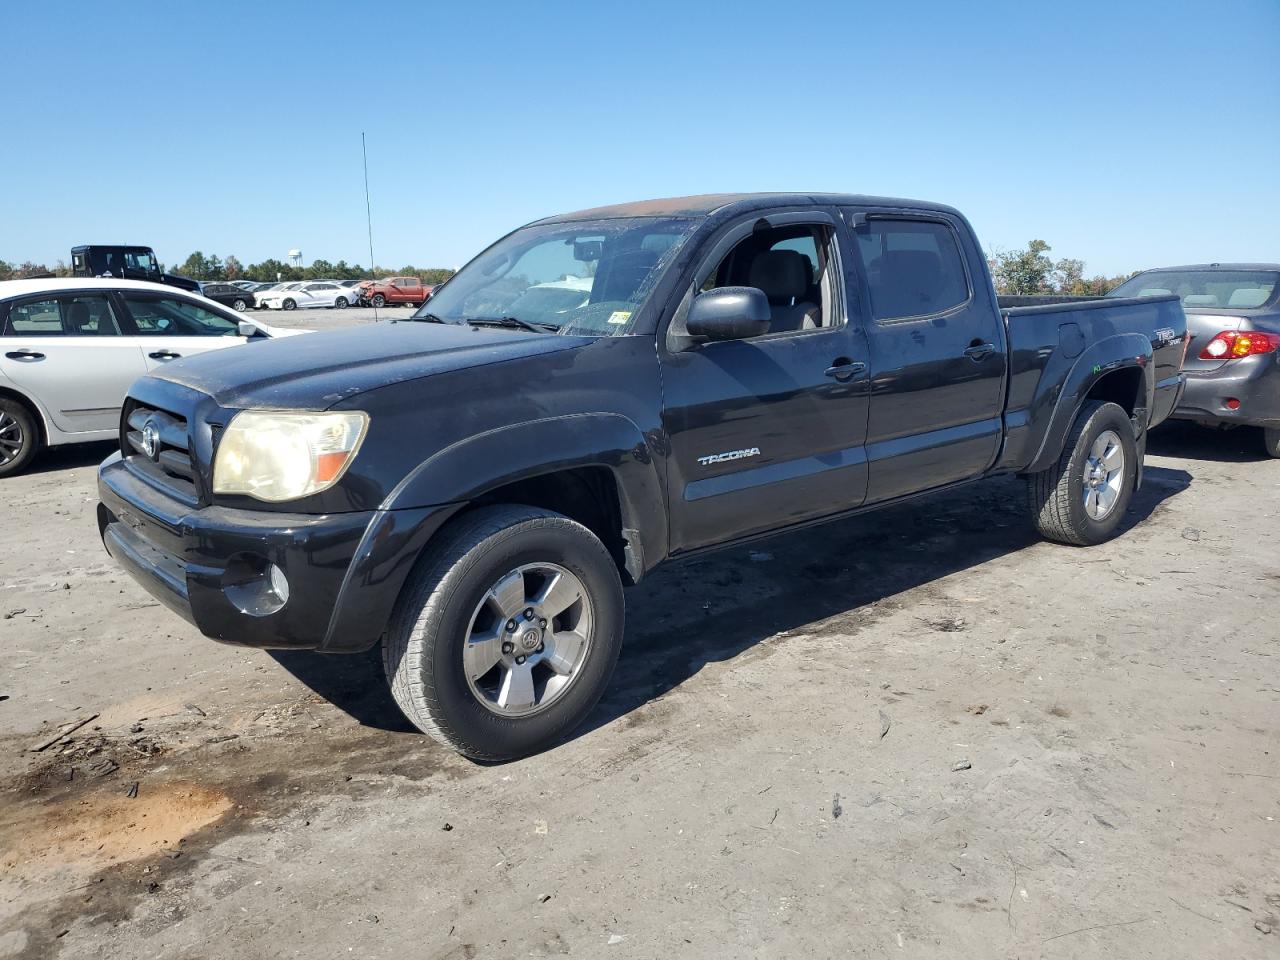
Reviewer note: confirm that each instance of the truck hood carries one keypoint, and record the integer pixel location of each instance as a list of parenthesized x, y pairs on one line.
[(319, 370)]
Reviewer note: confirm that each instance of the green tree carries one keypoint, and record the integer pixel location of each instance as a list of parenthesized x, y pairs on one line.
[(1024, 272)]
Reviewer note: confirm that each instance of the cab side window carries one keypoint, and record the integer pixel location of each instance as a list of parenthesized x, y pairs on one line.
[(914, 268), (66, 316), (792, 265)]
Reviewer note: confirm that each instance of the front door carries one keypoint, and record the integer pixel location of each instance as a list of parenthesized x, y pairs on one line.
[(169, 326), (768, 431), (67, 352), (938, 355)]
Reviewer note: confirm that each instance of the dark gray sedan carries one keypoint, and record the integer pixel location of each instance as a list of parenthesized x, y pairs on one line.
[(1233, 359)]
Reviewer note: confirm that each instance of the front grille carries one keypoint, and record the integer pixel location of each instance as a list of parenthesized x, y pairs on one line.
[(156, 446)]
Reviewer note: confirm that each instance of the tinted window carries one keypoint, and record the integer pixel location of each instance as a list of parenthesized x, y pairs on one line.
[(88, 316), (174, 317), (1204, 288), (914, 268)]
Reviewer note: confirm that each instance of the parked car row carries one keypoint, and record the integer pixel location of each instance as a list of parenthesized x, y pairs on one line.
[(243, 295)]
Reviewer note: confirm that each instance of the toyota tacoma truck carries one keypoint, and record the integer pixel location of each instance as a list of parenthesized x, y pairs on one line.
[(472, 490)]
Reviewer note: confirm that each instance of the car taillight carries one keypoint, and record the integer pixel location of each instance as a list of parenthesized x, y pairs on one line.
[(1232, 345)]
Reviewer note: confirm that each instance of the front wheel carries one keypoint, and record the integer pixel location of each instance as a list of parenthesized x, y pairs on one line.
[(1082, 498), (19, 437), (378, 300), (289, 305), (506, 635), (341, 303)]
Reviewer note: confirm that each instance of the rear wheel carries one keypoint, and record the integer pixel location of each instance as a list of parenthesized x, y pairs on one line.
[(1082, 498), (240, 306), (507, 634), (289, 305), (341, 303), (19, 437), (1271, 440), (378, 300)]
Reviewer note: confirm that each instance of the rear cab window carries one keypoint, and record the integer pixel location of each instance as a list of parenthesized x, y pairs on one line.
[(913, 268)]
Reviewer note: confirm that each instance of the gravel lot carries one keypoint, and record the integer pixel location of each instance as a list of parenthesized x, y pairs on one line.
[(920, 733)]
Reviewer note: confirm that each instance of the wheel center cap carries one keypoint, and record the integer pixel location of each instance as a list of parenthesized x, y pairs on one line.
[(531, 639)]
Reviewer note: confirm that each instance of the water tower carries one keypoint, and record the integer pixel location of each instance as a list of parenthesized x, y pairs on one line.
[(295, 257)]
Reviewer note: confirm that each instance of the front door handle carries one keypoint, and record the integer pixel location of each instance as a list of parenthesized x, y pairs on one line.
[(26, 356), (164, 355), (979, 350), (845, 370)]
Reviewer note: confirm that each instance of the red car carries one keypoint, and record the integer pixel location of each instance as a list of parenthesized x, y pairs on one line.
[(409, 290)]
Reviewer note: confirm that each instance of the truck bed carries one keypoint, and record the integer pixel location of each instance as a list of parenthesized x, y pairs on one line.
[(1057, 347)]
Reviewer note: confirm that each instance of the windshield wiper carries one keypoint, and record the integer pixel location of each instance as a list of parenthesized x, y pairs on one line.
[(512, 323), (429, 317)]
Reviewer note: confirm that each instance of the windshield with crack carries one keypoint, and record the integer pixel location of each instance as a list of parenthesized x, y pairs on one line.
[(585, 277)]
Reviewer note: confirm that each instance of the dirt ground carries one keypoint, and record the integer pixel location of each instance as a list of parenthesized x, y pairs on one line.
[(920, 733)]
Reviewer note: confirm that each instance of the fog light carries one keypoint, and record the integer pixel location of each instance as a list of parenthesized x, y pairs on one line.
[(254, 585), (1233, 403)]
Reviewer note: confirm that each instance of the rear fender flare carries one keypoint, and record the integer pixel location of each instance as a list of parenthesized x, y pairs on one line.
[(1120, 352), (470, 468)]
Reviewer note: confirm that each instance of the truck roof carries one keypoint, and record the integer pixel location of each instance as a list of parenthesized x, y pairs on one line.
[(109, 246), (705, 205), (1215, 266)]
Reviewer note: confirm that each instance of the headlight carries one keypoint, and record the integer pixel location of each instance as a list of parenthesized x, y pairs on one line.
[(278, 455)]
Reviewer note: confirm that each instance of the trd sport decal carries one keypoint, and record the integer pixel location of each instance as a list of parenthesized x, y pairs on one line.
[(731, 455)]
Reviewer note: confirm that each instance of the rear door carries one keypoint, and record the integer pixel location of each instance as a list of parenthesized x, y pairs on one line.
[(767, 432), (937, 352), (169, 326), (67, 351)]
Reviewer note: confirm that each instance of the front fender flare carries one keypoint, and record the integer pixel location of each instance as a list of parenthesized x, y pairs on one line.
[(470, 468), (1120, 352)]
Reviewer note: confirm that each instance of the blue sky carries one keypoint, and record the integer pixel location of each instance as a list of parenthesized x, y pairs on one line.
[(1127, 134)]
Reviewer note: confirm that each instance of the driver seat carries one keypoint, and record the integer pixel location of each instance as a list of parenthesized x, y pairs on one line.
[(784, 276)]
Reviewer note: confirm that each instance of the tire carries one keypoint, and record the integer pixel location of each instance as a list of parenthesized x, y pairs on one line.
[(1057, 497), (19, 437), (289, 305), (239, 306), (341, 303), (1271, 440), (453, 588), (378, 300)]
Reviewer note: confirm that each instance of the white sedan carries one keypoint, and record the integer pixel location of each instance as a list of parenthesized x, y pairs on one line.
[(320, 293), (71, 347)]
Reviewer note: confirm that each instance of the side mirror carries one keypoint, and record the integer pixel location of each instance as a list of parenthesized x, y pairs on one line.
[(248, 329), (729, 313)]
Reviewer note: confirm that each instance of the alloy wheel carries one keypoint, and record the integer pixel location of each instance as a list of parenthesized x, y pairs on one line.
[(12, 439), (1103, 475)]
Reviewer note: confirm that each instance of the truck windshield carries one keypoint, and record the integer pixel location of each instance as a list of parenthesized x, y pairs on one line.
[(1204, 288), (585, 277)]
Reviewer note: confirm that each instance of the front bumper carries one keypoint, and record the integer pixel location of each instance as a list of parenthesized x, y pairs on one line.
[(212, 565), (1253, 381)]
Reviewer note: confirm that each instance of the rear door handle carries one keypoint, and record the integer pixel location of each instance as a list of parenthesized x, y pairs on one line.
[(26, 356), (979, 351), (164, 355), (845, 370)]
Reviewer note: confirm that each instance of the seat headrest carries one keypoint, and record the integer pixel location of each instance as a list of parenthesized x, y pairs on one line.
[(1200, 300), (77, 317), (781, 274), (1154, 292), (1248, 297)]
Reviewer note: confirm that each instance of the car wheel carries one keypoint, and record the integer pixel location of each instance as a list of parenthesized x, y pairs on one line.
[(341, 303), (1081, 499), (19, 436), (239, 305), (378, 300), (289, 305), (507, 633), (1271, 440)]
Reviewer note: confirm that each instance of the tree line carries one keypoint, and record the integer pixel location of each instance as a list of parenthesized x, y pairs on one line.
[(1027, 271)]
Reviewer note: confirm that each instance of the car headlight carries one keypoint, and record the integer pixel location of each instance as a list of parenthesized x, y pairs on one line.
[(278, 455)]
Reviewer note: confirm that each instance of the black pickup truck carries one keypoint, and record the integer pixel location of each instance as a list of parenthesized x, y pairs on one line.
[(597, 393)]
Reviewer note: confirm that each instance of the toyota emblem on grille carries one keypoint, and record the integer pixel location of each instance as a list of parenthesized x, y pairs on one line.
[(151, 440)]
